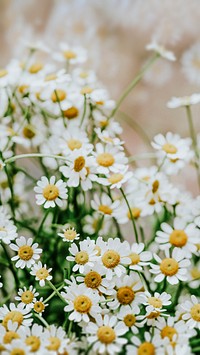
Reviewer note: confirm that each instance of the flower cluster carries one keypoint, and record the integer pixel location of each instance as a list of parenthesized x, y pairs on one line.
[(97, 256)]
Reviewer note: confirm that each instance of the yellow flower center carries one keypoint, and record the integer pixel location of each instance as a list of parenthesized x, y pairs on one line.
[(178, 238), (125, 295), (115, 178), (50, 77), (100, 103), (82, 304), (82, 257), (71, 113), (105, 209), (135, 212), (155, 302), (70, 234), (58, 95), (168, 332), (35, 68), (29, 131), (169, 266), (27, 297), (79, 163), (86, 90), (25, 252), (169, 148), (146, 349), (106, 335), (103, 124), (3, 72), (74, 144), (129, 320), (42, 273), (39, 307), (153, 315), (17, 351), (105, 159), (54, 343), (195, 312), (14, 316), (110, 259), (152, 202), (155, 186), (195, 273), (9, 336), (50, 192), (83, 75), (33, 342), (135, 258), (69, 54), (23, 88), (93, 279)]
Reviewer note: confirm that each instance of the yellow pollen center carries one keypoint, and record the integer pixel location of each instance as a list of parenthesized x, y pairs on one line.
[(125, 295), (110, 259), (153, 315), (58, 95), (195, 312), (79, 163), (3, 72), (82, 257), (50, 77), (155, 186), (178, 238), (135, 212), (86, 90), (29, 131), (135, 258), (33, 342), (115, 178), (74, 144), (35, 68), (71, 113), (100, 103), (42, 273), (25, 252), (106, 335), (155, 302), (9, 336), (168, 332), (105, 159), (169, 148), (152, 202), (50, 192), (17, 351), (169, 266), (54, 343), (93, 279), (70, 234), (23, 88), (146, 349), (14, 316), (129, 320), (69, 55), (27, 297), (103, 124), (83, 75), (195, 273), (39, 307), (82, 304), (105, 209)]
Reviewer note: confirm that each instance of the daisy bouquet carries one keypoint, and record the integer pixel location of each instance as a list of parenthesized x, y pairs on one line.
[(97, 255)]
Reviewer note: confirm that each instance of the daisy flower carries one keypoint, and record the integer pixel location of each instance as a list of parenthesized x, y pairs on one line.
[(100, 98), (27, 296), (27, 252), (127, 291), (82, 303), (85, 255), (148, 346), (17, 346), (176, 102), (105, 335), (73, 138), (71, 54), (129, 316), (49, 193), (105, 206), (33, 337), (19, 314), (173, 268), (8, 231), (139, 258), (41, 273), (7, 334), (156, 302), (69, 235), (55, 339), (109, 159), (161, 51), (181, 235), (114, 257), (107, 138), (191, 312), (116, 180), (39, 306), (191, 64)]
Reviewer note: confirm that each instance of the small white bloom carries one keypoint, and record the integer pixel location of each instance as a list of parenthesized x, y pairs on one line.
[(161, 50), (69, 235), (41, 273), (105, 206), (85, 255), (21, 315), (27, 252), (139, 258), (27, 296), (184, 101), (50, 193), (191, 312)]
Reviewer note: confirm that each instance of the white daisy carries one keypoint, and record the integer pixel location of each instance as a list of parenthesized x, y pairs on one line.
[(173, 268), (107, 138), (91, 223), (156, 302), (148, 346), (10, 332), (105, 206), (184, 101), (129, 316), (20, 314), (8, 231), (85, 255), (27, 253), (41, 273), (27, 296), (161, 50), (105, 335), (50, 193), (109, 159), (116, 180), (71, 54), (139, 258), (17, 346), (55, 339), (69, 235), (33, 337), (191, 312), (171, 328), (39, 306)]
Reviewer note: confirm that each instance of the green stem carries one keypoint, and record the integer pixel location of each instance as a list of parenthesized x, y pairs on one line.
[(134, 83), (33, 155), (53, 294), (84, 110), (42, 320), (61, 111), (99, 225), (131, 214), (42, 223), (56, 291)]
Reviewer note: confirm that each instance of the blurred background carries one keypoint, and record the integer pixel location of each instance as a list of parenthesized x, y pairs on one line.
[(115, 32)]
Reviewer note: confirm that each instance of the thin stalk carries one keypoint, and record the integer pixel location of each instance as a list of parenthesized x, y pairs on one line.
[(84, 110), (56, 291), (42, 223), (33, 155), (53, 294), (131, 214), (42, 320), (61, 111)]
